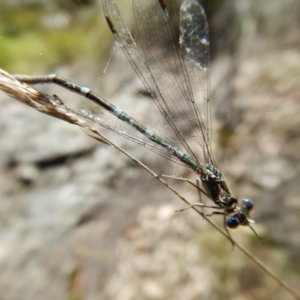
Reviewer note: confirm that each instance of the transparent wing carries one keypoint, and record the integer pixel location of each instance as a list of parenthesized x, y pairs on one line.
[(158, 41), (194, 37), (136, 58), (195, 44), (163, 65), (126, 42)]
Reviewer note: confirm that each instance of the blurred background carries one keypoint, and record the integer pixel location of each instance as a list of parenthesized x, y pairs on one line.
[(79, 220)]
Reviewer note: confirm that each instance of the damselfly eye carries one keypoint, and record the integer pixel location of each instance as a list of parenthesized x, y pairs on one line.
[(232, 222), (248, 204)]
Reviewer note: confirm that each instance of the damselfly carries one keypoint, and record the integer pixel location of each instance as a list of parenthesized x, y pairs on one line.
[(174, 67)]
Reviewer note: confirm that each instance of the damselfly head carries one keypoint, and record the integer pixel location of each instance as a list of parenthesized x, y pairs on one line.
[(241, 215), (247, 204), (232, 222)]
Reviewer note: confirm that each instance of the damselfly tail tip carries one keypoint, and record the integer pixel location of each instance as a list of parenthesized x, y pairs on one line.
[(110, 24)]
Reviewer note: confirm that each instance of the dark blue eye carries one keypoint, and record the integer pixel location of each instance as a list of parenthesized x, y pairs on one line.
[(248, 204), (232, 222)]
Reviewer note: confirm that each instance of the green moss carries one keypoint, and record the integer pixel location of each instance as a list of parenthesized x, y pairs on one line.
[(28, 45)]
